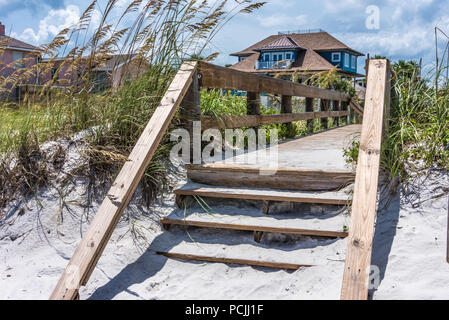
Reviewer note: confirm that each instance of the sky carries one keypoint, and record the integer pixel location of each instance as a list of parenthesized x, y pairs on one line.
[(397, 29)]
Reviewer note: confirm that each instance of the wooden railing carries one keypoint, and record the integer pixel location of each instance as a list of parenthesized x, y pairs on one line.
[(211, 76), (184, 92)]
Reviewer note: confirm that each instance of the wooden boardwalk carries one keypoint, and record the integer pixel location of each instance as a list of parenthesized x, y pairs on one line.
[(310, 170), (314, 162), (303, 174), (322, 151)]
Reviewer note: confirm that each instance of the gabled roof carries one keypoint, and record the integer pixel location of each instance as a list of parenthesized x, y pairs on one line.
[(11, 43), (307, 60), (318, 41), (279, 44)]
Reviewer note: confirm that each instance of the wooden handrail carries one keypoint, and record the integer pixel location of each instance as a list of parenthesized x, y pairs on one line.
[(217, 77), (356, 107), (231, 122), (100, 230), (188, 79), (361, 230)]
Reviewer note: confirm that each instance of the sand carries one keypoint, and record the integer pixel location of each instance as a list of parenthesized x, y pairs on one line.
[(37, 239)]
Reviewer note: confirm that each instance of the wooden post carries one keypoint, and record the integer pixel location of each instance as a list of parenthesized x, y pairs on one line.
[(253, 107), (336, 107), (253, 103), (309, 108), (94, 241), (190, 108), (286, 107), (361, 230), (258, 236), (324, 106), (190, 112), (266, 206), (344, 107), (351, 117)]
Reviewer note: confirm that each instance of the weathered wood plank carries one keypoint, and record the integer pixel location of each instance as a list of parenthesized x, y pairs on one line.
[(361, 230), (95, 239), (324, 108), (287, 108), (356, 107), (266, 207), (190, 111), (336, 107), (226, 78), (253, 103), (337, 198), (344, 106), (255, 263), (314, 180), (230, 122), (309, 108), (318, 152), (255, 228), (329, 224)]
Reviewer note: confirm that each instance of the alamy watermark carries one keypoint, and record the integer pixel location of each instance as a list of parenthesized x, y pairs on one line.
[(237, 147), (374, 278), (372, 22)]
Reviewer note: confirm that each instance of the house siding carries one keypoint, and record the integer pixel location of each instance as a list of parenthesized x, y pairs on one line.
[(7, 68), (341, 64)]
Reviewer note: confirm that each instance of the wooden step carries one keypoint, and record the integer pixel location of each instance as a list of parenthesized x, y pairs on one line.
[(287, 179), (201, 190), (254, 263), (229, 246), (327, 225)]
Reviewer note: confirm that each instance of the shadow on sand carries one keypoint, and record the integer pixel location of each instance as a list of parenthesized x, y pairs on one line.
[(385, 231), (150, 263)]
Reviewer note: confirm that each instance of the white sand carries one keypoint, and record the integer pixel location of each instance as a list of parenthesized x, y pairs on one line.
[(409, 248)]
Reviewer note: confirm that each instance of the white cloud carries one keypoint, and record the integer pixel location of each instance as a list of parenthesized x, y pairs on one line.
[(278, 20), (412, 5), (51, 25), (407, 39)]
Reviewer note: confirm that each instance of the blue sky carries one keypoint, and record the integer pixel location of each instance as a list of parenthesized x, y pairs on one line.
[(406, 28)]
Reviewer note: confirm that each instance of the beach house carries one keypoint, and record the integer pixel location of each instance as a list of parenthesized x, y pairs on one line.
[(16, 55), (306, 52)]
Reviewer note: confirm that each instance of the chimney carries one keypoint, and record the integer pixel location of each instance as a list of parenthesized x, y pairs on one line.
[(2, 29)]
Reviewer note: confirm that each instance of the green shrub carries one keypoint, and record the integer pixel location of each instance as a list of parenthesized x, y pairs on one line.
[(162, 34), (418, 124)]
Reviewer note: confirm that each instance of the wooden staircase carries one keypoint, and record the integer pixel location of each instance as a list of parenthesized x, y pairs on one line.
[(255, 203), (329, 226), (310, 170), (232, 218)]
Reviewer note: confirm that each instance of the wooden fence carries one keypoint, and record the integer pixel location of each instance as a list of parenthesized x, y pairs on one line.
[(184, 92), (211, 76)]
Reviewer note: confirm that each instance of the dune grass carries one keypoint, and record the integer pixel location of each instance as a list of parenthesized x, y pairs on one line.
[(161, 33), (418, 135)]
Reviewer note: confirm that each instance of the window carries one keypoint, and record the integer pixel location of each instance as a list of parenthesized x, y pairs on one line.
[(336, 56), (346, 60), (275, 57), (281, 57), (288, 56), (267, 58), (18, 57), (54, 72), (354, 62)]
